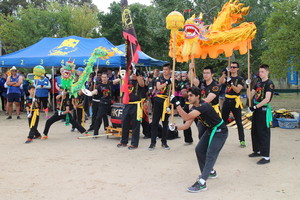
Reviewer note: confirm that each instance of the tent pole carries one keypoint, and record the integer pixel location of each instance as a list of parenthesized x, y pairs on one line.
[(53, 96)]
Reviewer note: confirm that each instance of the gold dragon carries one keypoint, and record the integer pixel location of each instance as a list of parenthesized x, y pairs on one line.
[(200, 41)]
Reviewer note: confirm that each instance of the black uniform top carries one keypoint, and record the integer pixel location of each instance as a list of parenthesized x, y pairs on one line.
[(236, 81), (79, 99), (97, 96), (165, 90), (144, 91), (213, 87), (262, 88), (66, 102), (185, 84), (208, 116), (178, 85), (135, 91), (28, 103), (104, 92)]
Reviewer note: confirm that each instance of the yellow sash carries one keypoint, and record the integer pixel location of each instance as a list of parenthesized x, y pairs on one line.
[(139, 112), (217, 109), (33, 119), (238, 102), (165, 106)]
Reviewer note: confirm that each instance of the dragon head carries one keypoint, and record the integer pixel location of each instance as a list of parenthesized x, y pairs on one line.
[(67, 70), (194, 27)]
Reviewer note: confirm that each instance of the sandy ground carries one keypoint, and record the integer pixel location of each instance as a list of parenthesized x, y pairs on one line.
[(65, 168)]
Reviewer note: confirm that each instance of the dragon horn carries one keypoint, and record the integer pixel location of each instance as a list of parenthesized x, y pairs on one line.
[(74, 60), (201, 16)]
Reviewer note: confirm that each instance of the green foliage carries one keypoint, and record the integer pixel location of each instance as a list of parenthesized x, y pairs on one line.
[(282, 37), (32, 24)]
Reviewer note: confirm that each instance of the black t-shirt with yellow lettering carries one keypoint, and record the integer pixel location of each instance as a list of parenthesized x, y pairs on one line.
[(208, 116), (63, 105), (28, 103), (135, 90), (237, 80), (104, 92), (262, 88), (213, 87)]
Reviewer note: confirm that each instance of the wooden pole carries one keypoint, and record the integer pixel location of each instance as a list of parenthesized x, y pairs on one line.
[(249, 75), (173, 73), (193, 71), (228, 67)]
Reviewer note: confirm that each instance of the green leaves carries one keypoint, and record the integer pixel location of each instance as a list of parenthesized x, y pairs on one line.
[(282, 37), (31, 24)]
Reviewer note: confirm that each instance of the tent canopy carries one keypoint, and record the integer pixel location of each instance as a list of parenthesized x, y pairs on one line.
[(144, 59), (56, 51)]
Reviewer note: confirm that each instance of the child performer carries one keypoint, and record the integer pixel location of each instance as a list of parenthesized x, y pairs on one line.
[(63, 112), (32, 108), (78, 111)]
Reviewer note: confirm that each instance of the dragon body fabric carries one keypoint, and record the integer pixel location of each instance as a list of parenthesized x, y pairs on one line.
[(200, 41), (67, 72)]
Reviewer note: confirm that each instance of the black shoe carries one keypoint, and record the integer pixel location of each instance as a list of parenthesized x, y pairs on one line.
[(254, 154), (263, 161), (197, 187), (18, 117), (120, 145), (28, 141), (151, 147), (72, 129), (165, 146), (9, 117), (131, 147)]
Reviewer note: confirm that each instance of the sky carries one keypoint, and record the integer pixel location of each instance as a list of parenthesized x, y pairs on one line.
[(104, 4)]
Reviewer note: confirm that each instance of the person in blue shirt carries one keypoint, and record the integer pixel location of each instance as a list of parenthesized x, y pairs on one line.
[(42, 92), (3, 91), (13, 84)]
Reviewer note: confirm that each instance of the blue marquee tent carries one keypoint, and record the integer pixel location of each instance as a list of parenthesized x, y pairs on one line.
[(144, 59), (56, 51)]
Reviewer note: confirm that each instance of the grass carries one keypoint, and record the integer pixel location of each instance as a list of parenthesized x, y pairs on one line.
[(289, 101)]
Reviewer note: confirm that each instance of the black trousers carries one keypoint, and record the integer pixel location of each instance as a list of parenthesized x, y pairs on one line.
[(2, 102), (54, 118), (201, 129), (188, 132), (33, 130), (157, 113), (77, 114), (260, 133), (95, 107), (207, 155), (101, 115), (129, 115), (229, 105)]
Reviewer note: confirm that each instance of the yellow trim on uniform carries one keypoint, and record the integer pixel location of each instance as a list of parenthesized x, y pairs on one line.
[(165, 106), (139, 112), (238, 102), (217, 109), (33, 119)]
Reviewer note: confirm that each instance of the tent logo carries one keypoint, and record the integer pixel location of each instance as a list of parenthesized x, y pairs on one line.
[(66, 47)]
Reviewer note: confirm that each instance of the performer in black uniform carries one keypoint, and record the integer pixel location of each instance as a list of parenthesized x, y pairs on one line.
[(96, 102), (133, 112), (210, 90), (211, 142), (78, 111), (160, 107), (63, 112), (32, 108), (233, 101), (105, 98), (262, 116)]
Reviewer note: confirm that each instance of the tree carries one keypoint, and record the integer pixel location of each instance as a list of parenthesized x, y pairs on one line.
[(282, 37), (32, 24)]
